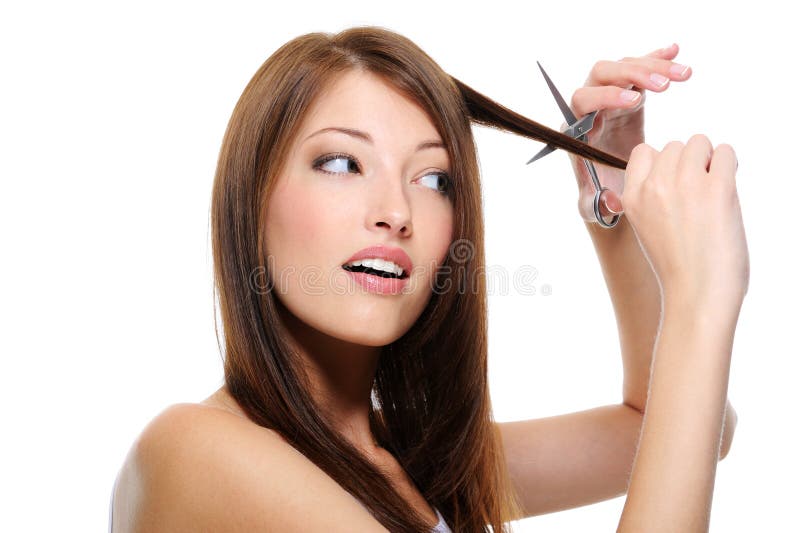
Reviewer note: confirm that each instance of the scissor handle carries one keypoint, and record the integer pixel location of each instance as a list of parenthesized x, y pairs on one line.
[(597, 214)]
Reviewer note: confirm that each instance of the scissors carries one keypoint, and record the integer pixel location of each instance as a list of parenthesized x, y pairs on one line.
[(577, 129)]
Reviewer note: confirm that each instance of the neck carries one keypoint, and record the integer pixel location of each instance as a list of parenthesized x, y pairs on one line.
[(341, 375)]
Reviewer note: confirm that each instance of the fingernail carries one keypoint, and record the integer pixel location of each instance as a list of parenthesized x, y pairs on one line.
[(658, 79), (629, 96), (605, 203), (678, 70)]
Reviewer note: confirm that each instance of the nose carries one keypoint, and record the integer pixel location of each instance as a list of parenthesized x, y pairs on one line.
[(390, 209)]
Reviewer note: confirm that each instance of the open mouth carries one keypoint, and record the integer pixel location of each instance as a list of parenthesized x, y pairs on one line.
[(374, 271)]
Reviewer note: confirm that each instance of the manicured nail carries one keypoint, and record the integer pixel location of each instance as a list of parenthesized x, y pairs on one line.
[(666, 49), (605, 202), (658, 79), (629, 96), (678, 70)]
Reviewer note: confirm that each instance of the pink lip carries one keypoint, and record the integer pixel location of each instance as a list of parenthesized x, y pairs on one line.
[(378, 284), (387, 253)]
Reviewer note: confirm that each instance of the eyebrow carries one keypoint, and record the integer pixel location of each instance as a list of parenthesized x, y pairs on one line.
[(364, 136)]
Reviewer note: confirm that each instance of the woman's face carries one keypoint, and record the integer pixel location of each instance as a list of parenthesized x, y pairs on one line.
[(339, 193)]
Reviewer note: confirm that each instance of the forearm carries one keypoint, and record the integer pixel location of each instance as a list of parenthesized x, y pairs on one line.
[(636, 298), (672, 481)]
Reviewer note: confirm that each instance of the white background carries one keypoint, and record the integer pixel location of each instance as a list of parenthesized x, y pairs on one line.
[(110, 125)]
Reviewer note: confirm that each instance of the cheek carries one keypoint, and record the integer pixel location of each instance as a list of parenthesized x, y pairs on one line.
[(442, 237), (296, 222), (435, 234)]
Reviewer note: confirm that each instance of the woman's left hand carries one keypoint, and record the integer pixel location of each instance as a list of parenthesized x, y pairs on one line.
[(616, 90)]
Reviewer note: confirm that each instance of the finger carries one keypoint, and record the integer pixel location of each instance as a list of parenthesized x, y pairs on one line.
[(640, 163), (666, 165), (610, 204), (696, 156), (723, 161), (666, 53), (588, 99), (672, 70), (653, 75)]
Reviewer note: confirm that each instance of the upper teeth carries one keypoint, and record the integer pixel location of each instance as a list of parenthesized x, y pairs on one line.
[(378, 264)]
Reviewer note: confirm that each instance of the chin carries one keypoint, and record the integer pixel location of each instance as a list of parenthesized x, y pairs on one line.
[(367, 335), (362, 328)]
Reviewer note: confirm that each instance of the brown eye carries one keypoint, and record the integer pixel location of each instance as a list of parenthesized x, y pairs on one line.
[(336, 164), (438, 181)]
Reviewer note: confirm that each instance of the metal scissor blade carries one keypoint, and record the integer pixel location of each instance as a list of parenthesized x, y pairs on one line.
[(543, 152), (578, 130), (565, 110), (581, 127)]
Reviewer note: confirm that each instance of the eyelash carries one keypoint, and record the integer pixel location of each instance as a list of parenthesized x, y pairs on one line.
[(339, 155)]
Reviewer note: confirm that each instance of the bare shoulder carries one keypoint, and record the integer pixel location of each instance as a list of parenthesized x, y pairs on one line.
[(196, 467)]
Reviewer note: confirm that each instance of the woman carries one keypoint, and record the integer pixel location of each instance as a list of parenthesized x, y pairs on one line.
[(348, 252)]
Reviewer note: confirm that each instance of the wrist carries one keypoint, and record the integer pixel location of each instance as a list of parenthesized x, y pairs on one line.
[(704, 309)]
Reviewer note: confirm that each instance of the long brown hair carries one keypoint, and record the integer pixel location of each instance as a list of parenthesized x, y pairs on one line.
[(430, 403)]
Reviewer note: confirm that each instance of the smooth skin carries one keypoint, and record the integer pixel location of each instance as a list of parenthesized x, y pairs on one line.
[(207, 467), (694, 186)]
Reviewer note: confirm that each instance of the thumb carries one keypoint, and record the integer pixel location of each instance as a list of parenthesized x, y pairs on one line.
[(639, 166), (610, 203)]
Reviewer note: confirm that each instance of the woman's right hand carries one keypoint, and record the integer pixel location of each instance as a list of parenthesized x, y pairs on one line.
[(683, 206)]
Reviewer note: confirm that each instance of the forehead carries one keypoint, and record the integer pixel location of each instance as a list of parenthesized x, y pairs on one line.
[(363, 100)]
